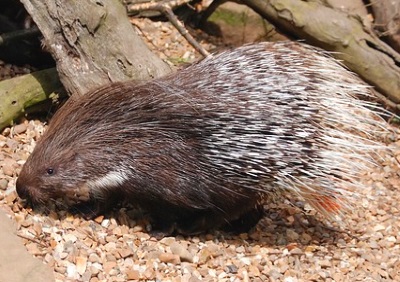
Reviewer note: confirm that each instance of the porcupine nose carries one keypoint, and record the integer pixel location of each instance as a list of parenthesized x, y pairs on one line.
[(22, 190)]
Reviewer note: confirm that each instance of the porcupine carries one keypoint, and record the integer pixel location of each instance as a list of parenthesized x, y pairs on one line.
[(197, 149)]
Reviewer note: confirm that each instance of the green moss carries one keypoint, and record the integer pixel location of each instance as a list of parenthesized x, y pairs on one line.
[(178, 60), (228, 17)]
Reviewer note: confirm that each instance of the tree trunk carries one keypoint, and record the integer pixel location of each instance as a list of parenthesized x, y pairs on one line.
[(93, 43)]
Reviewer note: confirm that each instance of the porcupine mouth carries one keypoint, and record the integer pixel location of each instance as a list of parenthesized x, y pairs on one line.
[(34, 198), (39, 205)]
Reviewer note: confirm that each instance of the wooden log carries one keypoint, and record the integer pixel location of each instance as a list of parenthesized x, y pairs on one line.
[(19, 93), (350, 40)]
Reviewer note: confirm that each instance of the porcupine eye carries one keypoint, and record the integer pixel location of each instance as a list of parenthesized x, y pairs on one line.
[(49, 171)]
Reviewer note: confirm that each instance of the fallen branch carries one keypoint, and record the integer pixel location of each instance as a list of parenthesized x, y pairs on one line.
[(346, 35), (20, 93)]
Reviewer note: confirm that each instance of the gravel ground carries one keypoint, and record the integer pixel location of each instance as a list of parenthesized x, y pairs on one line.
[(291, 243)]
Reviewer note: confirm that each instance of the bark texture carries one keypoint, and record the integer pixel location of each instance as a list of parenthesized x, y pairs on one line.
[(93, 43), (387, 20)]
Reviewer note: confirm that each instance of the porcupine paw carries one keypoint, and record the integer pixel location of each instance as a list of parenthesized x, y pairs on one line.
[(245, 221), (161, 228)]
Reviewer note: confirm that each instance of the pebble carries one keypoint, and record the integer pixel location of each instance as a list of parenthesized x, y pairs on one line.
[(33, 249), (70, 238), (109, 265), (10, 196), (9, 166), (111, 246), (125, 252), (292, 235), (71, 271), (133, 275), (94, 257), (86, 276), (3, 184), (81, 264), (20, 128), (169, 258), (379, 227), (95, 268), (181, 251)]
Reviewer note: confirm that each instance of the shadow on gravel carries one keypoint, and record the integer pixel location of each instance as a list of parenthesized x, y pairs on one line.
[(280, 226)]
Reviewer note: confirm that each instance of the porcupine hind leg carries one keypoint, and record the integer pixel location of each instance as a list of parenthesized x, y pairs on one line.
[(245, 222)]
